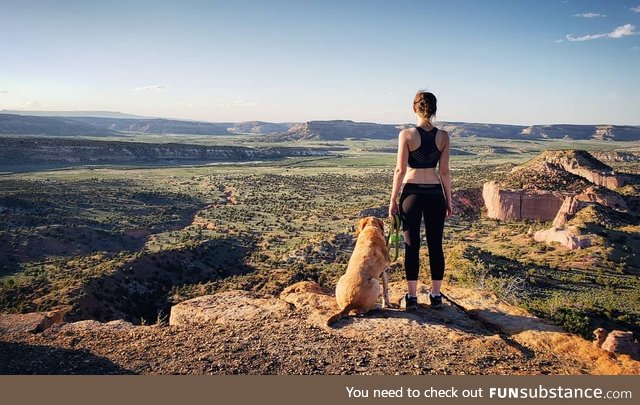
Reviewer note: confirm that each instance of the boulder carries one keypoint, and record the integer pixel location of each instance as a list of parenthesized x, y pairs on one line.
[(621, 342), (567, 237)]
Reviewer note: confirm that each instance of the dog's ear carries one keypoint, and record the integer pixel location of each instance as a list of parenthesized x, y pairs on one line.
[(361, 224)]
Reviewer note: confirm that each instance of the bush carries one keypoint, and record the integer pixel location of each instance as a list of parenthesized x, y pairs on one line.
[(506, 287), (574, 321)]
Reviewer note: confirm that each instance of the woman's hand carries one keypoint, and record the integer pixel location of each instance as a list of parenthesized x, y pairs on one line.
[(449, 210), (393, 208)]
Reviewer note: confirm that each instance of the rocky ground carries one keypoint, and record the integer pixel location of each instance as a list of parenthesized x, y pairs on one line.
[(239, 332)]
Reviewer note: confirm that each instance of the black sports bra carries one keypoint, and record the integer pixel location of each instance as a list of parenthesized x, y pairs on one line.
[(427, 154)]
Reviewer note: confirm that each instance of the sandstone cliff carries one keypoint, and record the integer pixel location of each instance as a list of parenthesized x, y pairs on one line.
[(514, 204), (554, 186), (583, 164)]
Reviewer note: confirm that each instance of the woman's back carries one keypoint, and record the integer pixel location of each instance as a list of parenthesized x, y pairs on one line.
[(424, 152)]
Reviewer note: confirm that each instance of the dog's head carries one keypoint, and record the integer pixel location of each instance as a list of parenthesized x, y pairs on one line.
[(369, 221)]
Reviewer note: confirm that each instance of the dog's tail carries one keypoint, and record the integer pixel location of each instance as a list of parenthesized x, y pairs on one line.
[(338, 315)]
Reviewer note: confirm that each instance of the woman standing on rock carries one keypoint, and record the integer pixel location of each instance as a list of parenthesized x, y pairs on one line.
[(426, 193)]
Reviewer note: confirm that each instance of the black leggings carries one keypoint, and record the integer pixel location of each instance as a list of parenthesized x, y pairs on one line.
[(426, 201)]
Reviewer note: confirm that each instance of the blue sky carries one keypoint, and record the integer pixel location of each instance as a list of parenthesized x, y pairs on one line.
[(518, 62)]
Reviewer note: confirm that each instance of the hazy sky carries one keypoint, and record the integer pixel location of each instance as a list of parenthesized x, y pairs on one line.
[(520, 62)]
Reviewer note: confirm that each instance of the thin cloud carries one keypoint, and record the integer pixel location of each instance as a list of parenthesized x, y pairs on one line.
[(590, 15), (151, 87), (4, 91), (559, 41), (619, 32), (635, 9)]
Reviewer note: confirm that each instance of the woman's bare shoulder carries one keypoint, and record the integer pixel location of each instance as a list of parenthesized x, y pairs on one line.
[(408, 132), (442, 134), (442, 138)]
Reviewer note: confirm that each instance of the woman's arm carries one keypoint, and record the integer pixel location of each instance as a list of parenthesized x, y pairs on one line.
[(401, 169), (443, 170)]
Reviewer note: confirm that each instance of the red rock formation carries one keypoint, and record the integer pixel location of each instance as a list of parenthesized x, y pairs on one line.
[(574, 203), (520, 204), (582, 164), (621, 342), (554, 186), (569, 207), (569, 236)]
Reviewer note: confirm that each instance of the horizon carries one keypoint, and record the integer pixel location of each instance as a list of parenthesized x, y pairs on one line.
[(134, 116), (555, 62)]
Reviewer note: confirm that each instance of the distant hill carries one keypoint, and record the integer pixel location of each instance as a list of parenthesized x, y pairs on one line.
[(601, 132), (111, 123), (34, 150), (51, 126), (157, 125), (102, 114), (337, 130), (260, 127), (466, 129)]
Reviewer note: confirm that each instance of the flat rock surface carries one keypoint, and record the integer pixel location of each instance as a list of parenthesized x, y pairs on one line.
[(238, 332), (227, 307)]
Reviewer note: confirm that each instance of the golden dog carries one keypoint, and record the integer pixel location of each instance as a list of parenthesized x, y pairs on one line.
[(359, 289)]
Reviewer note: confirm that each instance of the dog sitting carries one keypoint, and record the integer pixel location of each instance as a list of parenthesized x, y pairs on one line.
[(358, 289)]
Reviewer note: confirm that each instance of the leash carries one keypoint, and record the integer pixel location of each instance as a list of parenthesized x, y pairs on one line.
[(394, 235)]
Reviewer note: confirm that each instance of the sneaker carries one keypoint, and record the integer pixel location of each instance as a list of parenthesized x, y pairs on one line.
[(436, 301), (411, 302)]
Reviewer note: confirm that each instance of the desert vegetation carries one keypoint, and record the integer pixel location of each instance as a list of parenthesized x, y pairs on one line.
[(128, 242)]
